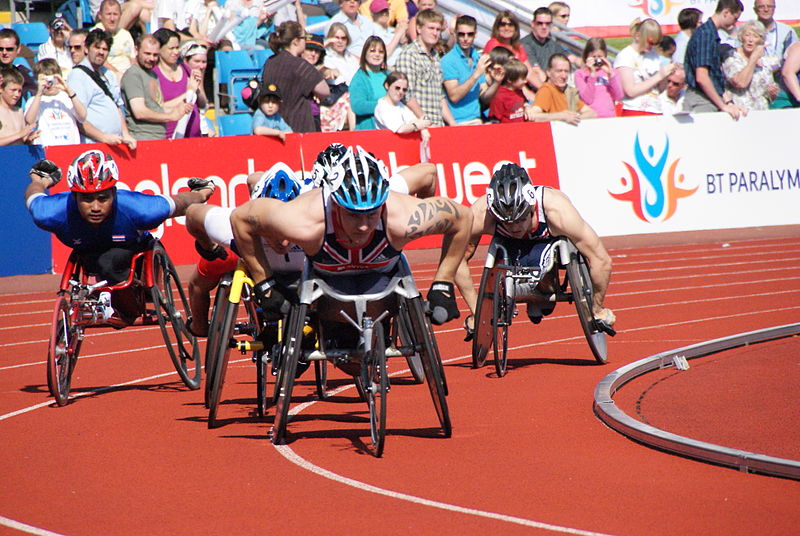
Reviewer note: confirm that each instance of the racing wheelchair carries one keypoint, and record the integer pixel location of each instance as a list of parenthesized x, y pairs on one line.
[(238, 324), (351, 331), (81, 304), (561, 275)]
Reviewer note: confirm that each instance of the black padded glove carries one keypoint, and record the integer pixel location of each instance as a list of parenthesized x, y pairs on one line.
[(217, 252), (442, 302), (196, 183), (47, 169), (276, 304)]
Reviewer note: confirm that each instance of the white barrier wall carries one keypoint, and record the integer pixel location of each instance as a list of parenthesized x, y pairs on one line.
[(663, 174)]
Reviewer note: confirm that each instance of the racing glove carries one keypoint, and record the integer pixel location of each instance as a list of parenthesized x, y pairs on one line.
[(216, 252), (48, 170), (276, 303), (442, 302), (196, 183)]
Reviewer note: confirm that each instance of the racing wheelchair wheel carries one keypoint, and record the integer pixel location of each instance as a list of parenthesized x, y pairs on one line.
[(484, 324), (62, 355), (290, 355), (402, 331), (376, 380), (433, 369), (502, 312), (214, 328), (582, 293), (171, 314)]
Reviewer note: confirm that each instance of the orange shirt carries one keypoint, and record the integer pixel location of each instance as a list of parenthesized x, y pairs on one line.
[(552, 100)]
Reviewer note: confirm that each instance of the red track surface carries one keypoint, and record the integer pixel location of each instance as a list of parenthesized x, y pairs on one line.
[(527, 454)]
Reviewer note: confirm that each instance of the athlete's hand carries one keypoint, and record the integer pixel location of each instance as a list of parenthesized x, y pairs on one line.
[(442, 301), (216, 252), (47, 169), (271, 298)]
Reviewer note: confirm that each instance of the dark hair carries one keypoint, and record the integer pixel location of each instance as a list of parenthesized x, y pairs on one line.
[(689, 17), (595, 43), (467, 20), (10, 74), (371, 40), (393, 77), (541, 11), (556, 56), (145, 37), (284, 34), (79, 31), (98, 35), (734, 6), (163, 35), (513, 18), (500, 55), (8, 33), (667, 43)]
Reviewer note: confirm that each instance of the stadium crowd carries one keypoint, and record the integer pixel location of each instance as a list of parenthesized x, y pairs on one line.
[(393, 64)]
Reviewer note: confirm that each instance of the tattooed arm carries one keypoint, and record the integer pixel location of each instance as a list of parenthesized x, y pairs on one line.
[(410, 218)]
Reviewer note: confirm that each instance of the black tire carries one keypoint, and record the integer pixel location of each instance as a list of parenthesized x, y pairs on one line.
[(433, 371), (321, 378), (580, 284), (377, 383), (402, 326), (222, 352), (62, 355), (214, 329), (291, 350), (262, 396), (171, 318), (501, 318), (484, 333)]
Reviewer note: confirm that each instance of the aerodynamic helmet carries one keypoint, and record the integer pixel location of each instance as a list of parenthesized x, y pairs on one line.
[(278, 183), (510, 195), (327, 159), (92, 171), (359, 183)]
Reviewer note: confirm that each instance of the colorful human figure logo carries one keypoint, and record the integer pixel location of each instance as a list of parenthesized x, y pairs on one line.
[(653, 197), (655, 8)]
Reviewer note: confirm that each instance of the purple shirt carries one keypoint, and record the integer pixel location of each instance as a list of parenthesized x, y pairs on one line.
[(170, 90)]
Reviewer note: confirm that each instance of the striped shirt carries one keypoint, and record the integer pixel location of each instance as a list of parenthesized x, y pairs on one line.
[(703, 51), (424, 79)]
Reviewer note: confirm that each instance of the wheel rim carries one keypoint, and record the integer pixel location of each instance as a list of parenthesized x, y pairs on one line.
[(292, 348), (63, 352), (582, 293), (501, 320), (484, 332), (377, 387)]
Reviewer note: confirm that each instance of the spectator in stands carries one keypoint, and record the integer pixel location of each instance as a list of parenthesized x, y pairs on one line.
[(147, 113), (398, 13), (789, 97), (666, 48), (290, 11), (178, 84), (367, 87), (749, 71), (703, 66), (641, 70), (136, 14), (55, 108), (539, 45), (463, 70), (314, 54), (358, 26), (338, 57), (77, 45), (555, 101), (195, 56), (248, 32), (333, 112), (672, 97), (560, 12), (597, 81), (421, 63), (13, 128), (779, 36), (446, 38), (298, 79), (98, 89), (204, 16), (689, 19), (267, 120), (121, 55), (392, 114), (9, 50), (509, 104), (393, 37), (56, 45)]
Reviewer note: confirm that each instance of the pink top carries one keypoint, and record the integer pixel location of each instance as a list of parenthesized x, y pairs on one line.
[(170, 90), (519, 52), (599, 91)]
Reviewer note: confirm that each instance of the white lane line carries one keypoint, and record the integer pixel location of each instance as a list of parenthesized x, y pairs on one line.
[(114, 332), (30, 529)]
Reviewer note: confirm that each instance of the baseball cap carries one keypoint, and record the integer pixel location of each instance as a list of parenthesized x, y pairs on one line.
[(269, 90), (378, 5)]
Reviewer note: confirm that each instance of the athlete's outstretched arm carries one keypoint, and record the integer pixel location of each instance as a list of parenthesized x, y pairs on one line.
[(481, 225), (249, 222)]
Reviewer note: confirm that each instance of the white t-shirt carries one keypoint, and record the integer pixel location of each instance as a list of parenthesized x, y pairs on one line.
[(644, 66), (392, 116), (57, 124), (346, 64)]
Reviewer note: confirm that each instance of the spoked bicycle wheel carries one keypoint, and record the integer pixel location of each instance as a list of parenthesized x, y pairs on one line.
[(582, 293), (214, 328), (62, 355), (221, 351), (171, 313), (292, 348), (433, 376), (376, 379), (484, 333), (501, 318), (403, 335)]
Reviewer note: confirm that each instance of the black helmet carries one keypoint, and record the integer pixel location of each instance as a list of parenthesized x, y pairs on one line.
[(327, 159), (510, 195)]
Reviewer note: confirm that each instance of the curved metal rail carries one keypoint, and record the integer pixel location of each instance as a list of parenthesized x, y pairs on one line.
[(609, 413)]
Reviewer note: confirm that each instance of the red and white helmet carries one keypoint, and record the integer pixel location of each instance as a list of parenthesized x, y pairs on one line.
[(92, 171)]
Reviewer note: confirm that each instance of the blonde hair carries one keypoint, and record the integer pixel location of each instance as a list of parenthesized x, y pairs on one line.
[(646, 29)]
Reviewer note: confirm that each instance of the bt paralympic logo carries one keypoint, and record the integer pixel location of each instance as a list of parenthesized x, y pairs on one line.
[(656, 8), (653, 197)]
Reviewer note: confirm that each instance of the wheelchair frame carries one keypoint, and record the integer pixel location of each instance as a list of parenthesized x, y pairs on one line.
[(78, 308)]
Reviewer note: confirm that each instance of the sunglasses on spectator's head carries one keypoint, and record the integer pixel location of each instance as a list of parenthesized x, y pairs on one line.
[(465, 34)]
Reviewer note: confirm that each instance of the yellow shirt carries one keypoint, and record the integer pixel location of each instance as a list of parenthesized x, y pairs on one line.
[(397, 10)]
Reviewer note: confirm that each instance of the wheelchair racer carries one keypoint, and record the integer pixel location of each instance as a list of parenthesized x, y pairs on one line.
[(105, 226), (519, 214), (352, 228)]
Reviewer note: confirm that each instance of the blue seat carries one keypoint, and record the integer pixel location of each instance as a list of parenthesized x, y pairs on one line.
[(261, 57), (234, 124), (19, 60), (233, 69), (71, 9), (31, 34)]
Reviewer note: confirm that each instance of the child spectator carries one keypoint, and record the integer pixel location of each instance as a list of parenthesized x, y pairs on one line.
[(55, 107), (508, 104), (267, 121), (666, 47), (13, 130), (597, 82)]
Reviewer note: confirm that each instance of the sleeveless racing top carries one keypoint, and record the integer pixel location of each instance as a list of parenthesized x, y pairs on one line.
[(541, 230), (377, 255)]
